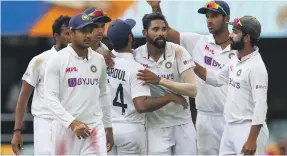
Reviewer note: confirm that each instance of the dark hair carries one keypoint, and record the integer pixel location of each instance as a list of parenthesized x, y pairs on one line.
[(253, 41), (59, 22), (146, 20), (120, 45)]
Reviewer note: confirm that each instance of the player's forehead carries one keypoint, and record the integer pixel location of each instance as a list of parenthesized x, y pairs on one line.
[(157, 23)]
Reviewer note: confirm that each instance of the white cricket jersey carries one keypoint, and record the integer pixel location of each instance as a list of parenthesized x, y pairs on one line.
[(125, 86), (74, 86), (170, 68), (247, 81), (208, 54), (34, 75)]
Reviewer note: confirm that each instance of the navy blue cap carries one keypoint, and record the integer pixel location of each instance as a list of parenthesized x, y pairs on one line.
[(119, 30), (97, 15), (79, 21), (217, 6)]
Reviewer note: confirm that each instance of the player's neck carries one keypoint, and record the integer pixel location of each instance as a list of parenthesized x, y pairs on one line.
[(154, 52), (95, 45), (82, 52), (58, 47), (222, 39), (125, 50), (245, 51)]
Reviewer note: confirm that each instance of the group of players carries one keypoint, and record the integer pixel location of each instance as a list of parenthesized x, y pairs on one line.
[(92, 101)]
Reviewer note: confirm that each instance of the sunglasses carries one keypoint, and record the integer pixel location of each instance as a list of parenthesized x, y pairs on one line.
[(237, 22), (97, 13), (213, 5)]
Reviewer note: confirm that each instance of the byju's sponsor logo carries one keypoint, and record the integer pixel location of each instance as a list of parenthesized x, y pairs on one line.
[(209, 61), (73, 82)]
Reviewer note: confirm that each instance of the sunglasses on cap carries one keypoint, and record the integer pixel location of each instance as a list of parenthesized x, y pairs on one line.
[(97, 13), (213, 5)]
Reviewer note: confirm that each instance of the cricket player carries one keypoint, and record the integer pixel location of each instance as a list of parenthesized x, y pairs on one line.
[(77, 94), (212, 52), (169, 68), (246, 104), (34, 78), (100, 19), (131, 99)]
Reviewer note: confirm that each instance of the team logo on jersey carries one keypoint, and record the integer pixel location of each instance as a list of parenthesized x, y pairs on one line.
[(73, 82), (168, 65), (93, 68), (230, 55), (239, 72)]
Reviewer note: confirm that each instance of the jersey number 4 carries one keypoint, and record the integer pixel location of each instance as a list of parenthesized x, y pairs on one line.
[(121, 103)]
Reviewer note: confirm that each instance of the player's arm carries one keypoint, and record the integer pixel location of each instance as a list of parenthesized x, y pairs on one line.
[(52, 92), (105, 100), (143, 101), (211, 77), (172, 34), (184, 66), (259, 84), (30, 79)]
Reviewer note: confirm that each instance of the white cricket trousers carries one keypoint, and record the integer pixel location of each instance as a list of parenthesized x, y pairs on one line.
[(65, 142), (129, 139), (235, 136), (42, 136), (175, 140), (209, 130)]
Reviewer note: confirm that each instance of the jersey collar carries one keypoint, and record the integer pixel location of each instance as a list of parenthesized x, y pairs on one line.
[(167, 53), (210, 39), (122, 54), (72, 51), (249, 55)]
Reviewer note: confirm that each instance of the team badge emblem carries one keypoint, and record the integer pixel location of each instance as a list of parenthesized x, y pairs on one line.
[(168, 65), (93, 68), (239, 72), (230, 55)]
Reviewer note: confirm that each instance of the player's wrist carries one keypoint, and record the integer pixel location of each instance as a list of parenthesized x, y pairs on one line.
[(161, 81), (17, 130)]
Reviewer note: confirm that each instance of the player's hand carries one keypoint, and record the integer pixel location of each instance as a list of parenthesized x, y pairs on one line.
[(80, 129), (148, 76), (178, 99), (249, 148), (153, 3), (17, 142), (110, 139), (108, 55)]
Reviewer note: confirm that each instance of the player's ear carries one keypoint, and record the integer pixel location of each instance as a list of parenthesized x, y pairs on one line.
[(247, 38), (144, 32), (56, 36), (226, 19)]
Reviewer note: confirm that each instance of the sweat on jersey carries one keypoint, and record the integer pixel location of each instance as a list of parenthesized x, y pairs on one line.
[(125, 86), (75, 88), (34, 76), (247, 80), (169, 66), (204, 50)]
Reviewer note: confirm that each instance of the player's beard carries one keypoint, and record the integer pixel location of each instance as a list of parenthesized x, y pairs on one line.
[(237, 45), (159, 42)]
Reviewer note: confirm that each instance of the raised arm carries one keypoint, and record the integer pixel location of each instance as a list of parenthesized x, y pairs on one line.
[(172, 34), (211, 77), (184, 65), (143, 101)]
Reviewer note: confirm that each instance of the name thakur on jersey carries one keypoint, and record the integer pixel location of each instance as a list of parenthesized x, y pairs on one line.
[(116, 73)]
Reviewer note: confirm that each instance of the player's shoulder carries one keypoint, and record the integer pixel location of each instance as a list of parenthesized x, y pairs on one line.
[(190, 35), (40, 58)]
